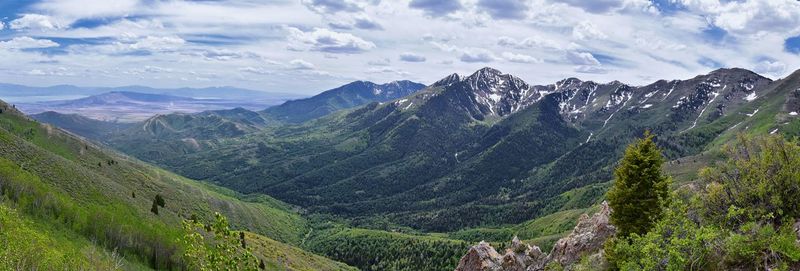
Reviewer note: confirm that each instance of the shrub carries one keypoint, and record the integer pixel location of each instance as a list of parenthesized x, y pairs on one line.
[(674, 243), (160, 200), (760, 181), (220, 251)]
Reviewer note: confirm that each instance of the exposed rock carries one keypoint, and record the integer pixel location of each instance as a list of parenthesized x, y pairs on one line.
[(519, 257), (481, 257), (796, 228), (586, 239)]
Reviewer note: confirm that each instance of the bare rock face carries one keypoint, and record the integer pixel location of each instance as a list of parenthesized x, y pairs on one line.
[(585, 240), (481, 257), (587, 237), (519, 257)]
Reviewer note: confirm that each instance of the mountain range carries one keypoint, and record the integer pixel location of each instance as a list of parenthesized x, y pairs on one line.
[(347, 96), (20, 93), (127, 106), (467, 151), (375, 175)]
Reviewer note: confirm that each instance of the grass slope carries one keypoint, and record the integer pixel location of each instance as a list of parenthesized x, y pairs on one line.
[(26, 244), (59, 182)]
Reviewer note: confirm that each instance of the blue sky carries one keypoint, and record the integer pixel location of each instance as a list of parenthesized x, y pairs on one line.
[(305, 46)]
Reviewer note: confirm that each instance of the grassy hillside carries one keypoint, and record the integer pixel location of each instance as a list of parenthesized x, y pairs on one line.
[(59, 189), (26, 244)]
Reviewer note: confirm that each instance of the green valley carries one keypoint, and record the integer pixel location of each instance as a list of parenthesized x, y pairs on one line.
[(430, 173), (91, 207)]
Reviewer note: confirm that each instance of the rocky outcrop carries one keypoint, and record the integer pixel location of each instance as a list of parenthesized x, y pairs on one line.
[(585, 240), (588, 236), (519, 257), (481, 257)]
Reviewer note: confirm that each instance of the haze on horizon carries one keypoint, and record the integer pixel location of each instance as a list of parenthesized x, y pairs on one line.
[(305, 46)]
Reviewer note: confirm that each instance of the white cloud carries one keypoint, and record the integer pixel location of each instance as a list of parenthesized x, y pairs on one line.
[(256, 70), (325, 40), (214, 54), (520, 58), (35, 22), (529, 42), (445, 47), (771, 67), (582, 58), (750, 16), (299, 64), (151, 44), (380, 62), (60, 71), (20, 43), (586, 30), (75, 9), (387, 70), (650, 41), (233, 40), (590, 69)]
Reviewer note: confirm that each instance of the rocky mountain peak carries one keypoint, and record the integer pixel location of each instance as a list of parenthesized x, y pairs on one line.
[(447, 81), (489, 78), (496, 93), (566, 83)]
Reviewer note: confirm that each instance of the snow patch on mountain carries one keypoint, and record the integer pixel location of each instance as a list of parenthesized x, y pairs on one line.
[(750, 97), (715, 94), (675, 83)]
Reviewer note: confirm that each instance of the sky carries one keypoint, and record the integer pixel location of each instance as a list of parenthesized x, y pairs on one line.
[(307, 46)]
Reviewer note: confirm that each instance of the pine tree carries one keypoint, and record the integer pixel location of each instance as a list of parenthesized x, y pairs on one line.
[(641, 190), (154, 209), (160, 200)]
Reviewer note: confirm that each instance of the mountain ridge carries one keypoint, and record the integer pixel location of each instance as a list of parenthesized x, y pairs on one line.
[(448, 155), (346, 96)]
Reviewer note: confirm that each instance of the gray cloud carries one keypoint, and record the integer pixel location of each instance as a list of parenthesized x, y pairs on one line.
[(504, 9), (436, 8), (771, 67), (380, 62), (332, 6), (367, 23), (477, 55), (360, 22), (412, 57), (594, 6)]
